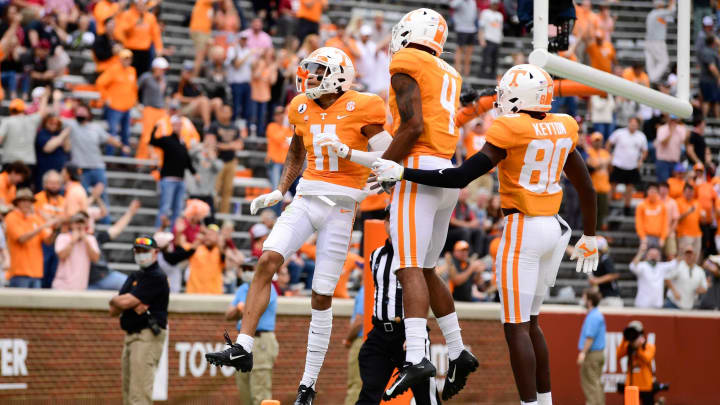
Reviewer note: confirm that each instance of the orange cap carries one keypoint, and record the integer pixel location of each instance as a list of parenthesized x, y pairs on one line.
[(461, 245), (17, 105)]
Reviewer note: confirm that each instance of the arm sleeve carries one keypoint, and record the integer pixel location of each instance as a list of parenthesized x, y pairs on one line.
[(178, 255), (452, 177)]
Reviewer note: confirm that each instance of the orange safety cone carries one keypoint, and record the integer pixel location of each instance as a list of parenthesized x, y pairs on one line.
[(632, 395), (270, 402)]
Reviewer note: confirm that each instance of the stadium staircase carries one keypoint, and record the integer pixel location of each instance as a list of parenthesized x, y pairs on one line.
[(130, 178)]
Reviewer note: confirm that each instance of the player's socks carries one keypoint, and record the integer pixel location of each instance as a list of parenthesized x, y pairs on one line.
[(245, 341), (318, 341), (544, 398), (415, 337), (451, 331), (529, 403)]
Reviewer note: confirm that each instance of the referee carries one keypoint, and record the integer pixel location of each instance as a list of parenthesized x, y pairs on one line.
[(383, 350)]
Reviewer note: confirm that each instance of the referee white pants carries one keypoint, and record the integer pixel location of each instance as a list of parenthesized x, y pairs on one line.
[(527, 263)]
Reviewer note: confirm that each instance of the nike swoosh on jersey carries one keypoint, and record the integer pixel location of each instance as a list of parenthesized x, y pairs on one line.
[(237, 357), (342, 116)]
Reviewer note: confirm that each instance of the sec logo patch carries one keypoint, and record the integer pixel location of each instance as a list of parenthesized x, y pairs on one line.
[(302, 108), (350, 106)]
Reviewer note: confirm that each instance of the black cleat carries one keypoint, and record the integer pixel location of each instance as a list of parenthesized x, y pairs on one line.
[(457, 374), (410, 375), (305, 396), (233, 356)]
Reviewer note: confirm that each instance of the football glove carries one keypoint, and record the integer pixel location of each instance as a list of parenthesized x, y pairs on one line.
[(586, 253), (333, 142), (265, 200), (387, 171)]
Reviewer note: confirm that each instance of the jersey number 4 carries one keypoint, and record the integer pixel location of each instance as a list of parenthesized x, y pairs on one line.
[(316, 130), (544, 162)]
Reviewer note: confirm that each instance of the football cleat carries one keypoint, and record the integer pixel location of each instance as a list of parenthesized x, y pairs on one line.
[(234, 356), (305, 396), (408, 376), (458, 372)]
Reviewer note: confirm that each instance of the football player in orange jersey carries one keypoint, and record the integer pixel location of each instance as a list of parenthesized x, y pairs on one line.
[(532, 149), (424, 95), (326, 200)]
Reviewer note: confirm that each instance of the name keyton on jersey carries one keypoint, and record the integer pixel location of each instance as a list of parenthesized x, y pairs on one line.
[(549, 128)]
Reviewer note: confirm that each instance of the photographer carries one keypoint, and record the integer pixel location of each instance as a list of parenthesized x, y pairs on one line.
[(142, 304), (640, 357)]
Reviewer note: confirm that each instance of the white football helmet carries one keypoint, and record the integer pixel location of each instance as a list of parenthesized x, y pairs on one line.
[(525, 87), (423, 27), (331, 66)]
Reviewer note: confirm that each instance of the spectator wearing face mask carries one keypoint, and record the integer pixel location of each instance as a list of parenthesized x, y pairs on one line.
[(256, 385), (76, 249), (207, 264), (49, 204), (176, 161), (650, 273), (651, 222)]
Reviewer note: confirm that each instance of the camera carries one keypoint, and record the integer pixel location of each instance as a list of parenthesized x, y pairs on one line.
[(153, 324)]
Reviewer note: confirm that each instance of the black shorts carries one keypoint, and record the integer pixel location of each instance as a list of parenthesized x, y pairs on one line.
[(622, 176), (464, 39)]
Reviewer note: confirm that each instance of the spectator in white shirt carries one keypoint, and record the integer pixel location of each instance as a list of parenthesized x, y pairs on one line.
[(685, 281), (490, 37), (656, 54), (465, 18), (367, 49), (601, 114), (238, 64), (629, 148), (669, 141), (378, 78), (380, 30), (650, 275)]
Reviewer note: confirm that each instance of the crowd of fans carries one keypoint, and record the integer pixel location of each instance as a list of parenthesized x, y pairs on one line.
[(53, 188)]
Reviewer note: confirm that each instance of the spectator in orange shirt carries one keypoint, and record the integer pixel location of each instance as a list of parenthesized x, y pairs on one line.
[(639, 368), (677, 181), (207, 264), (599, 163), (138, 30), (49, 204), (76, 198), (200, 29), (118, 86), (586, 24), (343, 41), (651, 222), (706, 196), (105, 48), (673, 214), (636, 74), (308, 17), (14, 173), (278, 144), (26, 232), (264, 75), (105, 9), (688, 228), (601, 52)]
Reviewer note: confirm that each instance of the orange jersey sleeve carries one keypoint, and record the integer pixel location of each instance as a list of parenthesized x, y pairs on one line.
[(536, 154), (439, 85), (345, 118)]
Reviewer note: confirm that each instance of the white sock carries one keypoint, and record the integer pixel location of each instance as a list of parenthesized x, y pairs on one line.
[(318, 341), (544, 398), (245, 341), (451, 331), (415, 337), (529, 403)]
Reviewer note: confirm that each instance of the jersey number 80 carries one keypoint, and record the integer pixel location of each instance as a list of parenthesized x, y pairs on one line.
[(543, 165)]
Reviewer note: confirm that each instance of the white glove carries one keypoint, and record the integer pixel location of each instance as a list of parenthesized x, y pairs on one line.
[(332, 141), (387, 170), (265, 200), (586, 253)]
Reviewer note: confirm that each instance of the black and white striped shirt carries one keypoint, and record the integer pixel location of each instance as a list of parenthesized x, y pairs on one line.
[(387, 306)]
